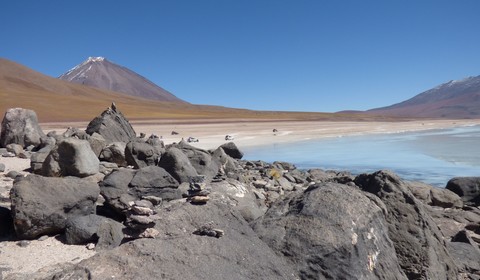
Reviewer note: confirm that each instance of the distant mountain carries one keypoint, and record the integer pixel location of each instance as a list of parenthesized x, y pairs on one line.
[(56, 100), (454, 99), (101, 73)]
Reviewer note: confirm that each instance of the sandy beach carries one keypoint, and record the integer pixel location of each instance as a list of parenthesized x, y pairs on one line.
[(38, 254), (212, 134)]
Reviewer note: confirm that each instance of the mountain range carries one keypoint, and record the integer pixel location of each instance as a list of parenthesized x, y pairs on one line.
[(454, 99), (101, 73), (56, 100), (88, 88)]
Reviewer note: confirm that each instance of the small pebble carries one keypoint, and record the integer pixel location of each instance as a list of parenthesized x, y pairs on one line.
[(90, 246), (23, 243), (43, 238)]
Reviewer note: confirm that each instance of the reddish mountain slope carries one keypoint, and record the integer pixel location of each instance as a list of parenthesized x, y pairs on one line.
[(100, 73), (455, 99)]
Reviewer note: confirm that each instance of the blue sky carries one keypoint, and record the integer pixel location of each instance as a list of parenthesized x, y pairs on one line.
[(297, 55)]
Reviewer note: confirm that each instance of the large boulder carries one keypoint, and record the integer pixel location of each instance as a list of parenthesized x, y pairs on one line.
[(418, 241), (178, 165), (72, 157), (331, 231), (112, 125), (20, 126), (141, 154), (180, 254), (468, 188), (42, 205)]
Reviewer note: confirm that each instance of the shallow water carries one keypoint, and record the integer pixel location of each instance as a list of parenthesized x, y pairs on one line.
[(433, 157)]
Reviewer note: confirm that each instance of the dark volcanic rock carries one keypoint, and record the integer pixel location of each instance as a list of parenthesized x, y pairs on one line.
[(112, 125), (178, 253), (93, 228), (232, 150), (115, 152), (154, 181), (331, 231), (468, 188), (178, 165), (418, 241), (6, 223), (42, 205), (141, 154), (20, 126)]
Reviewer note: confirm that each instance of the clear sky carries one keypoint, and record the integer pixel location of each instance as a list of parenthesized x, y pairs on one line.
[(294, 55)]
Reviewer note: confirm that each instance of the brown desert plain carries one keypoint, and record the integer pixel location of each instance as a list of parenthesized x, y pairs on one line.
[(60, 104)]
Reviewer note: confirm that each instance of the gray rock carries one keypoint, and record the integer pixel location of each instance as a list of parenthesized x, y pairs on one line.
[(445, 198), (113, 126), (140, 154), (38, 158), (154, 181), (2, 167), (418, 242), (175, 162), (115, 189), (72, 157), (97, 143), (115, 152), (20, 126), (42, 205), (14, 148), (331, 231), (468, 188), (466, 258), (232, 150), (184, 255), (200, 159), (105, 232)]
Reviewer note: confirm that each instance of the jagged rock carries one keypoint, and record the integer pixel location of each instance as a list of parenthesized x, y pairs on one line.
[(41, 205), (20, 126), (114, 152), (232, 150), (466, 257), (418, 242), (140, 154), (468, 188), (435, 196), (175, 162), (113, 126), (72, 157)]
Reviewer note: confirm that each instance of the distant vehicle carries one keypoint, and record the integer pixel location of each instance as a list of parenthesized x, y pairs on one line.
[(174, 133), (275, 130), (229, 137), (192, 139)]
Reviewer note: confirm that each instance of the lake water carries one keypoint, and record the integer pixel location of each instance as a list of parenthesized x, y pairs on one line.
[(433, 156)]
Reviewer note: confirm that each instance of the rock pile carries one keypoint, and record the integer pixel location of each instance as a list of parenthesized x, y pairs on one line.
[(153, 207)]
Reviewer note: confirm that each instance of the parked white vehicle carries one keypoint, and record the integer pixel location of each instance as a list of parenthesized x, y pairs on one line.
[(229, 137), (192, 139)]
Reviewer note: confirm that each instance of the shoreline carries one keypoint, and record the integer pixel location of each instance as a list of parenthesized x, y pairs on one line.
[(211, 134)]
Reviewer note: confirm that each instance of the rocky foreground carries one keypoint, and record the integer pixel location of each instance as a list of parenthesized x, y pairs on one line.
[(152, 211)]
